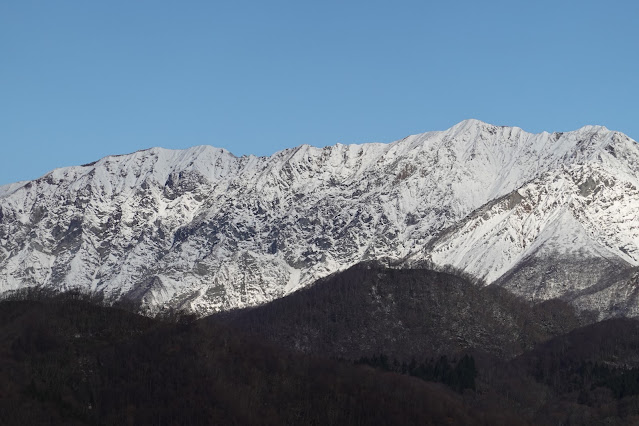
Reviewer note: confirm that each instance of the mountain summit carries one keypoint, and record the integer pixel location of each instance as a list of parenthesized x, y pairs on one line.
[(545, 215)]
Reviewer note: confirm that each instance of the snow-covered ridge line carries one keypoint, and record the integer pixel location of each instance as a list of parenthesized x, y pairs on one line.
[(204, 229), (180, 156)]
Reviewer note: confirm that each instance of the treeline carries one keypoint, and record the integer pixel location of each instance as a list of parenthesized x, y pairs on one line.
[(54, 296), (622, 382), (588, 375), (459, 375)]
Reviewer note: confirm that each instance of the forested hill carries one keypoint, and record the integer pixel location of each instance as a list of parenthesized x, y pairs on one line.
[(71, 362), (370, 309)]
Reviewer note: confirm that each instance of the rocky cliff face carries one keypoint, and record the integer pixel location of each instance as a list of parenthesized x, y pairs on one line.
[(204, 230)]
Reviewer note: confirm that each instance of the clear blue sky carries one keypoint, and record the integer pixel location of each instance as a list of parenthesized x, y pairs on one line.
[(84, 79)]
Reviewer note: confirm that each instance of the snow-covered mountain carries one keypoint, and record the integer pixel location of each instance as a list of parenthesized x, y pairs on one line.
[(543, 214)]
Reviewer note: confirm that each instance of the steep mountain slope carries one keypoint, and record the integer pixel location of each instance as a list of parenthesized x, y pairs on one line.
[(570, 233), (205, 230)]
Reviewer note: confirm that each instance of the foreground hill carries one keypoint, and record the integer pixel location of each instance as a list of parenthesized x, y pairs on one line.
[(545, 215), (71, 362), (370, 309), (66, 361), (535, 359)]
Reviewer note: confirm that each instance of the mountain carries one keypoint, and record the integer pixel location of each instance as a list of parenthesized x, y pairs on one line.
[(572, 232), (545, 215)]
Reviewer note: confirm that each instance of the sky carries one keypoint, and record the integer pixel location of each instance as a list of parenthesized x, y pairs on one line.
[(80, 80)]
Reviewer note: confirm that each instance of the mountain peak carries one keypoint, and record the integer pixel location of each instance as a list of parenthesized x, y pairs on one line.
[(204, 230), (471, 122), (468, 125), (474, 124)]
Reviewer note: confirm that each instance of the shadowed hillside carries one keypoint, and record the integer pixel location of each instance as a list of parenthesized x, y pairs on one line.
[(66, 361), (369, 309)]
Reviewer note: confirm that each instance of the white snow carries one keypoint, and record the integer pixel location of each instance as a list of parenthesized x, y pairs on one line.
[(203, 229)]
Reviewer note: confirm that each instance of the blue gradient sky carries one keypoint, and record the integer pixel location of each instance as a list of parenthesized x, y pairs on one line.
[(84, 79)]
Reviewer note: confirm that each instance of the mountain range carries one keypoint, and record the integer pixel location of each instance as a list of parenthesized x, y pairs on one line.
[(549, 215)]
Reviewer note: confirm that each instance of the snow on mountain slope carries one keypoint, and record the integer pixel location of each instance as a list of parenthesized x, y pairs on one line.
[(565, 234), (554, 237), (205, 230)]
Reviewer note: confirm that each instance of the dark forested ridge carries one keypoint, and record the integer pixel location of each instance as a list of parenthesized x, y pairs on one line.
[(485, 357), (369, 309), (72, 362), (538, 360)]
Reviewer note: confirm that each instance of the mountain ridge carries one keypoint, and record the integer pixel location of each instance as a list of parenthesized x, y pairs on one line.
[(205, 230)]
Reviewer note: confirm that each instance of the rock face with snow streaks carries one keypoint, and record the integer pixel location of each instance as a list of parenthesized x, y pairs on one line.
[(204, 230)]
